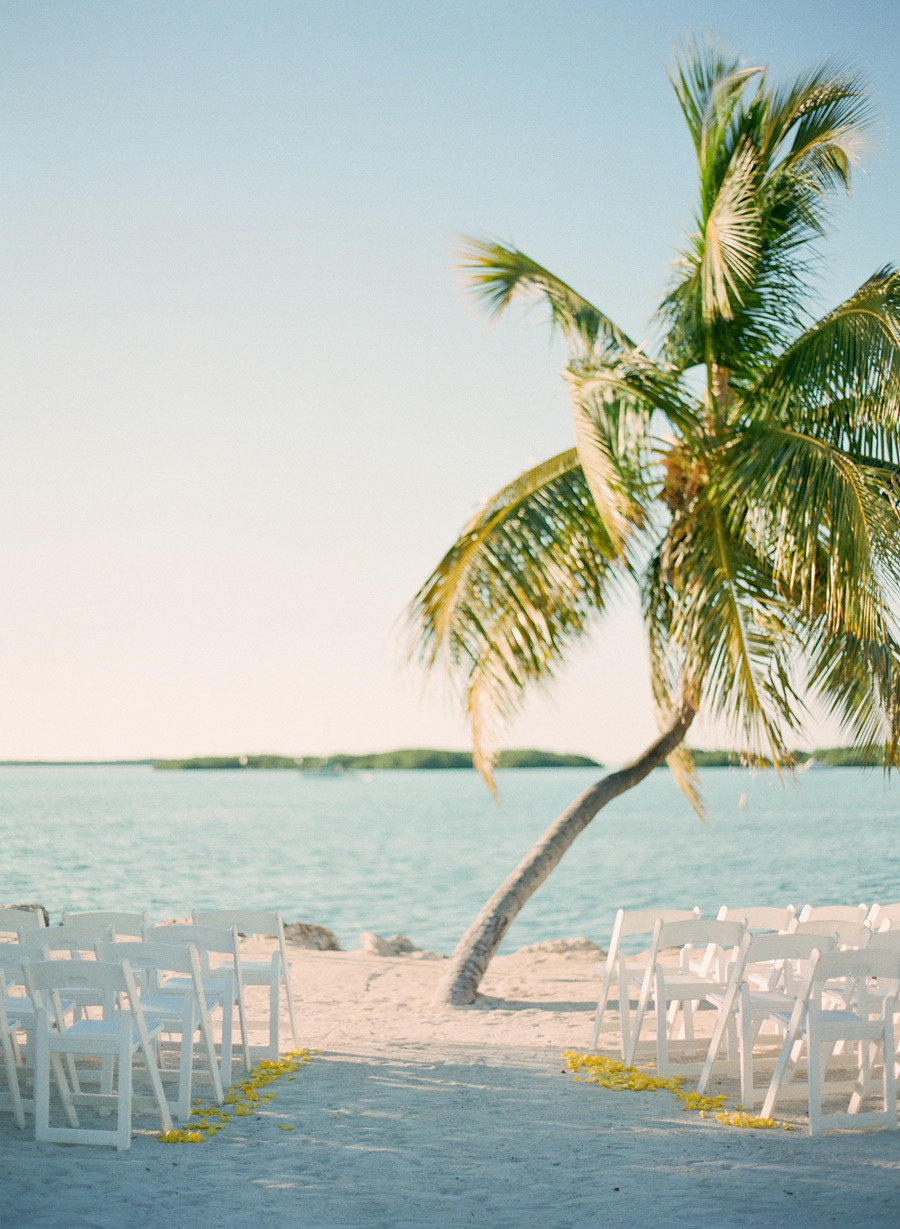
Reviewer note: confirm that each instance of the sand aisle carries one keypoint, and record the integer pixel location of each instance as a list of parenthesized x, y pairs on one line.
[(416, 1116)]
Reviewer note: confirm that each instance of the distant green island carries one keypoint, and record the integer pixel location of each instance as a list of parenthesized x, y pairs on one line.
[(825, 757), (425, 758), (412, 760)]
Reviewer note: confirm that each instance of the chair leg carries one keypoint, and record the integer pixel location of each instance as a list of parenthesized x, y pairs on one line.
[(210, 1050), (814, 1079), (783, 1069), (12, 1078), (42, 1083), (227, 1044), (274, 1006), (292, 1016), (123, 1122), (662, 1029), (889, 1077), (60, 1076)]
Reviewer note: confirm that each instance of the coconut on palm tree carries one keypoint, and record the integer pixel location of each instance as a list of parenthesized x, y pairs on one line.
[(743, 473)]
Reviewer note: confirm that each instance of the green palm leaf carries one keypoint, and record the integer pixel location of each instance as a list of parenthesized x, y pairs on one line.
[(526, 576)]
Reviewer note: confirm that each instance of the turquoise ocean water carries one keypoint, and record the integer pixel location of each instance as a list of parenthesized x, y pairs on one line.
[(418, 852)]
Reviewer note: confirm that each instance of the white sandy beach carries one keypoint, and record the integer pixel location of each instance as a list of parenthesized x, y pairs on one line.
[(417, 1116)]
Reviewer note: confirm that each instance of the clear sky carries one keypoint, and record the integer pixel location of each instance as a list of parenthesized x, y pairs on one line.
[(246, 405)]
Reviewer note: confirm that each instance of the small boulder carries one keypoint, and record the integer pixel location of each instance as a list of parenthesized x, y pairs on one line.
[(314, 938), (560, 946), (396, 945)]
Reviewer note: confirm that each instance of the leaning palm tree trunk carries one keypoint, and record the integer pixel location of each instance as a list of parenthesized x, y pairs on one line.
[(475, 949)]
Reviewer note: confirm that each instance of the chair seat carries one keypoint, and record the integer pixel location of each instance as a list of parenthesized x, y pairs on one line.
[(692, 987), (213, 987), (22, 1008), (850, 1024)]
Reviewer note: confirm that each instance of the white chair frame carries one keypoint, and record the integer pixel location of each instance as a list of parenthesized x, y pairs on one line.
[(682, 989), (624, 972), (763, 977), (820, 1028), (119, 1035), (220, 941), (182, 1012), (274, 973)]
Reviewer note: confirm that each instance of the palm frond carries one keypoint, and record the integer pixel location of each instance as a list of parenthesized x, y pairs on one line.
[(497, 274), (731, 627), (731, 238), (850, 356), (821, 519), (522, 582), (859, 682)]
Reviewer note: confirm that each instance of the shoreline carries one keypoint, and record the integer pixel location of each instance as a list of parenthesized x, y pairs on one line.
[(417, 1115)]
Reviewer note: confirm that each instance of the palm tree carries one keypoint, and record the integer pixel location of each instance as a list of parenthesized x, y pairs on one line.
[(743, 473)]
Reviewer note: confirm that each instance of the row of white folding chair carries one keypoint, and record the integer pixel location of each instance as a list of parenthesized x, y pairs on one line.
[(623, 973), (177, 1005), (863, 1012), (221, 986), (274, 973)]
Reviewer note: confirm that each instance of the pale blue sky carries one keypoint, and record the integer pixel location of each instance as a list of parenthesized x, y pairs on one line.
[(247, 406)]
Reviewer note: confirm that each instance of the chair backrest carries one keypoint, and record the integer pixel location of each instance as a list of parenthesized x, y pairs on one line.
[(882, 964), (123, 924), (717, 937), (11, 955), (267, 923), (850, 934), (697, 932), (759, 917), (878, 915), (836, 913), (642, 921), (145, 955), (44, 976), (66, 938), (767, 948), (888, 939), (217, 939), (14, 921)]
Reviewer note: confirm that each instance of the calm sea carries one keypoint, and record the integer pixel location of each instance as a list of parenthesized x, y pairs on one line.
[(418, 852)]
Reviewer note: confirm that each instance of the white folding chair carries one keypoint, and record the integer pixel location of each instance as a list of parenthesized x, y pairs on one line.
[(819, 1027), (218, 981), (273, 973), (182, 1012), (124, 925), (759, 917), (625, 972), (118, 1036), (764, 977), (704, 947)]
